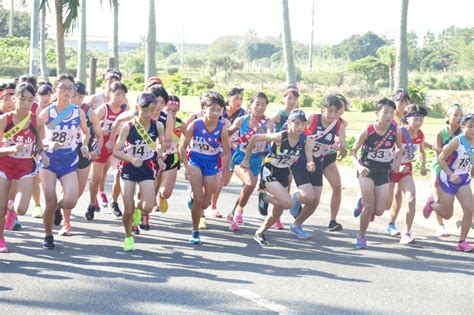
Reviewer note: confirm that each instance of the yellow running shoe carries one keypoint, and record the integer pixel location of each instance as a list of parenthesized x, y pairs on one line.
[(129, 244), (37, 212), (163, 205), (202, 223), (137, 216)]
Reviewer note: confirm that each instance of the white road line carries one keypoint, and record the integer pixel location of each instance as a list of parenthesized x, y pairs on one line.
[(257, 299)]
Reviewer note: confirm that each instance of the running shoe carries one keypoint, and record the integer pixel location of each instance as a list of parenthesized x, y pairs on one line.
[(49, 242), (300, 233), (65, 231), (262, 203), (102, 199), (215, 213), (441, 231), (137, 216), (135, 229), (361, 243), (279, 225), (202, 223), (90, 213), (261, 240), (233, 226), (195, 238), (296, 208), (37, 212), (407, 239), (334, 226), (144, 225), (190, 198), (239, 217), (392, 230), (10, 219), (358, 208), (3, 246), (116, 209), (129, 244), (58, 217), (464, 247), (163, 205), (427, 209)]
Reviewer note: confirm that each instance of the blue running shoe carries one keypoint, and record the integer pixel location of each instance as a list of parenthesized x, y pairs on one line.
[(195, 238), (296, 208), (392, 230), (17, 226), (300, 233), (361, 243), (358, 208)]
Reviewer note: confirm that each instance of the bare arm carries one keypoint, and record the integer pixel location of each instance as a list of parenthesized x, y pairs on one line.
[(187, 140), (447, 151), (357, 145), (422, 157)]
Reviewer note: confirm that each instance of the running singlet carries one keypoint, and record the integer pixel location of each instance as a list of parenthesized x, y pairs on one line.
[(110, 116), (234, 139), (205, 142), (27, 136), (279, 126), (283, 155), (377, 151), (324, 139), (260, 146), (416, 142), (65, 131), (136, 146), (459, 162), (175, 137)]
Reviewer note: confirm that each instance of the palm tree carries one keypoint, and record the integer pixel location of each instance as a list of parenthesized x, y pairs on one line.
[(387, 55), (401, 65), (310, 61), (82, 49), (150, 43), (287, 45), (43, 65), (115, 37)]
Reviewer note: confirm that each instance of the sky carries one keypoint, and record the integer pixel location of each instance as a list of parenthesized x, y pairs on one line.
[(202, 21)]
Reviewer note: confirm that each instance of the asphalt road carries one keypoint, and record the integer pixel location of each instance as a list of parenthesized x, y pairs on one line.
[(230, 273)]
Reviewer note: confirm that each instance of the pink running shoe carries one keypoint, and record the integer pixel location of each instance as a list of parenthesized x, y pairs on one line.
[(3, 246), (427, 209), (104, 202), (464, 247), (10, 219), (216, 214), (239, 217), (233, 225), (279, 225)]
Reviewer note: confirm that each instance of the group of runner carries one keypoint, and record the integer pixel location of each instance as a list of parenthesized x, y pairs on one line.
[(44, 142)]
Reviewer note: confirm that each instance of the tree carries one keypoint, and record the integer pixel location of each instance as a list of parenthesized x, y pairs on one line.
[(12, 14), (287, 45), (150, 43), (370, 68), (21, 22), (359, 46), (386, 55), (223, 45), (165, 50), (401, 65), (115, 7), (260, 50), (310, 54), (82, 49), (225, 63)]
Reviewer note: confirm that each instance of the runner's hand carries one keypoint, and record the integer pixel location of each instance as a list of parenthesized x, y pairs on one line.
[(187, 173), (57, 145), (311, 166), (109, 145), (244, 164), (93, 155), (45, 159), (454, 178), (19, 147), (342, 153), (85, 152), (423, 170), (161, 164), (136, 162), (363, 171)]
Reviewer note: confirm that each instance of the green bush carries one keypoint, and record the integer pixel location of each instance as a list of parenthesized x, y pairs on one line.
[(172, 70), (363, 105), (137, 77), (306, 100), (417, 93)]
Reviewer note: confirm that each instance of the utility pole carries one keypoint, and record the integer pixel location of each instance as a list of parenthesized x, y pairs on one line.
[(34, 38), (310, 61)]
